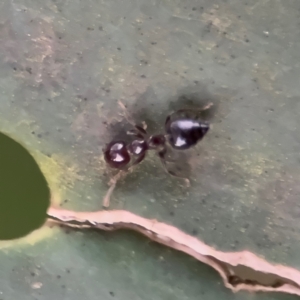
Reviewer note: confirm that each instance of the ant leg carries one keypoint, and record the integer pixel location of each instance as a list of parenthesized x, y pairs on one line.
[(141, 130), (113, 182), (206, 107), (126, 114), (135, 133), (161, 155)]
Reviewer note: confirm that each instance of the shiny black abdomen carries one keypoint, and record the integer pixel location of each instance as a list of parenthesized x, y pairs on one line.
[(184, 133)]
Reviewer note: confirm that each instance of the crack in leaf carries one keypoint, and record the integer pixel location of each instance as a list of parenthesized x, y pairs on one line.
[(239, 270)]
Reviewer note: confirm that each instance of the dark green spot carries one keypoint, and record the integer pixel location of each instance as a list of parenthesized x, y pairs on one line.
[(24, 193)]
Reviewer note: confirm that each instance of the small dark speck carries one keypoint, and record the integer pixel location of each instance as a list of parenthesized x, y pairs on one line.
[(112, 293), (247, 40), (143, 76), (194, 8), (119, 48), (63, 286), (153, 43), (171, 213), (49, 155), (59, 37), (49, 99), (201, 69), (239, 17), (15, 69), (232, 56), (194, 231), (29, 70), (201, 7), (58, 276), (39, 135), (107, 90), (68, 271), (85, 98), (196, 81), (100, 28), (32, 274), (32, 132), (224, 32), (90, 28)]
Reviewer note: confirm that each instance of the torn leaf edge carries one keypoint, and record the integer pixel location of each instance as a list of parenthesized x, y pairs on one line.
[(223, 262)]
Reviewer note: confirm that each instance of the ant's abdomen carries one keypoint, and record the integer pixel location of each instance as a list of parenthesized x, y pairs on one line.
[(185, 133)]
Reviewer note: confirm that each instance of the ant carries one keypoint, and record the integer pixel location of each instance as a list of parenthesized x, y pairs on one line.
[(181, 133)]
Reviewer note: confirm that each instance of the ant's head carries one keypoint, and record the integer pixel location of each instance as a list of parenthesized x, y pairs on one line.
[(116, 155)]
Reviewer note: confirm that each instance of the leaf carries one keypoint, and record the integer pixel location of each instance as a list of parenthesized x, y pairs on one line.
[(65, 65)]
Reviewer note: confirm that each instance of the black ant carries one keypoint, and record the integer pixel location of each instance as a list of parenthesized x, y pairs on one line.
[(181, 133)]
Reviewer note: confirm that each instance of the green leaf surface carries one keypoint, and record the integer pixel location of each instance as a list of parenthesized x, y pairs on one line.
[(63, 67)]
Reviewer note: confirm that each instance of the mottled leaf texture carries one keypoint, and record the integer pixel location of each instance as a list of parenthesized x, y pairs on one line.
[(64, 68)]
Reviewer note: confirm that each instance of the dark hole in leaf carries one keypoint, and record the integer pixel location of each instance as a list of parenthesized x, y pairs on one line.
[(24, 193)]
